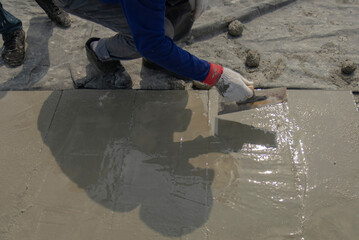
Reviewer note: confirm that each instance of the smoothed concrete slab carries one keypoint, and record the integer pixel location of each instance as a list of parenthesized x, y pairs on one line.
[(145, 165), (20, 149), (328, 146), (317, 132)]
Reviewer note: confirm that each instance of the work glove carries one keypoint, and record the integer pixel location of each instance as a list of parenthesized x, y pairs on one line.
[(230, 84), (198, 6)]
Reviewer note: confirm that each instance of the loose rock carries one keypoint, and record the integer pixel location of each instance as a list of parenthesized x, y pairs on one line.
[(348, 67), (235, 28), (253, 58), (200, 86), (177, 85)]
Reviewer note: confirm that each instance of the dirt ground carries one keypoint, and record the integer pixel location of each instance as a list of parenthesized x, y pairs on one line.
[(302, 45)]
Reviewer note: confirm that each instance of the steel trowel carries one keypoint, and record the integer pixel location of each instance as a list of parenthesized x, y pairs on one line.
[(261, 98)]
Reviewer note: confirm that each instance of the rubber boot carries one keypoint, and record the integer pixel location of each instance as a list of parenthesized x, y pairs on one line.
[(56, 14), (14, 48), (115, 75)]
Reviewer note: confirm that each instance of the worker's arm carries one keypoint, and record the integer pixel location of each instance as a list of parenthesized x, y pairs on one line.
[(146, 21)]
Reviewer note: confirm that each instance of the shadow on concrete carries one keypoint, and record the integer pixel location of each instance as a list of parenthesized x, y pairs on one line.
[(37, 60), (122, 153), (1, 61), (2, 94)]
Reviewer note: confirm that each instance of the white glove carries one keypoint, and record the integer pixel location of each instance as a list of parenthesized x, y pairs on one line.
[(233, 86), (198, 6)]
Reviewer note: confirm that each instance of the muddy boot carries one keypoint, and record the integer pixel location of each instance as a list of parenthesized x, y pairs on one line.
[(14, 48), (115, 75), (56, 14)]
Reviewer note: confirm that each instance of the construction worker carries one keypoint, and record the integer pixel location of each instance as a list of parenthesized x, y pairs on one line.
[(146, 28), (13, 35)]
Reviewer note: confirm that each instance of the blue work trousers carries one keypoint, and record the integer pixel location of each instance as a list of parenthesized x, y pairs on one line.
[(121, 46), (8, 23)]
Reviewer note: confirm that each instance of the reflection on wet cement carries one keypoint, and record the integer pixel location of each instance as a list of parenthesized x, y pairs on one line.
[(271, 173), (289, 136), (272, 176), (151, 154), (150, 151)]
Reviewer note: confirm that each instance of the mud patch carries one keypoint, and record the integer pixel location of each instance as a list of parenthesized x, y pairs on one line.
[(274, 70), (177, 85), (200, 85), (253, 58), (344, 81), (268, 70), (329, 48), (235, 28), (356, 99), (348, 67)]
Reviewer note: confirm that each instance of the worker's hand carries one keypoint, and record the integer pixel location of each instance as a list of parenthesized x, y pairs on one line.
[(198, 6), (234, 87), (230, 84)]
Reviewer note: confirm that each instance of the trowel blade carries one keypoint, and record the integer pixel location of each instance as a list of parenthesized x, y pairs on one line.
[(263, 97)]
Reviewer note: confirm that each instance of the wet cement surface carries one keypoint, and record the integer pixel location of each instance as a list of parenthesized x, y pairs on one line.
[(145, 165)]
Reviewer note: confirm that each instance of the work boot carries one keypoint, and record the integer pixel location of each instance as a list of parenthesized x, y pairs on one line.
[(115, 75), (14, 48), (56, 14)]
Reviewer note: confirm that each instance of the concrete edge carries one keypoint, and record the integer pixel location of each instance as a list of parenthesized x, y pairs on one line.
[(220, 25), (301, 87)]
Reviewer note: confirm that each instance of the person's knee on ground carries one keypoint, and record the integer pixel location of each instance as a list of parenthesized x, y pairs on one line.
[(180, 14)]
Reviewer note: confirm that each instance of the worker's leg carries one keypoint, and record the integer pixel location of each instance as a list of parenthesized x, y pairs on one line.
[(120, 46), (8, 23), (14, 39), (57, 15)]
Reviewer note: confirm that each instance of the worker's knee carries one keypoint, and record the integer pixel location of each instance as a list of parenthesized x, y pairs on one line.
[(169, 30)]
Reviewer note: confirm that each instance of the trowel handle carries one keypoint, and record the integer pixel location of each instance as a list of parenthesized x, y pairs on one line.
[(252, 88)]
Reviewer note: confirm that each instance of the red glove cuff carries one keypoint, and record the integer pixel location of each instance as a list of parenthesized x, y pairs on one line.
[(215, 72)]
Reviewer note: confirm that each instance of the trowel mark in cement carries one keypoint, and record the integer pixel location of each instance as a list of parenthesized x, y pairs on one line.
[(288, 136), (287, 156), (132, 163), (153, 160)]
